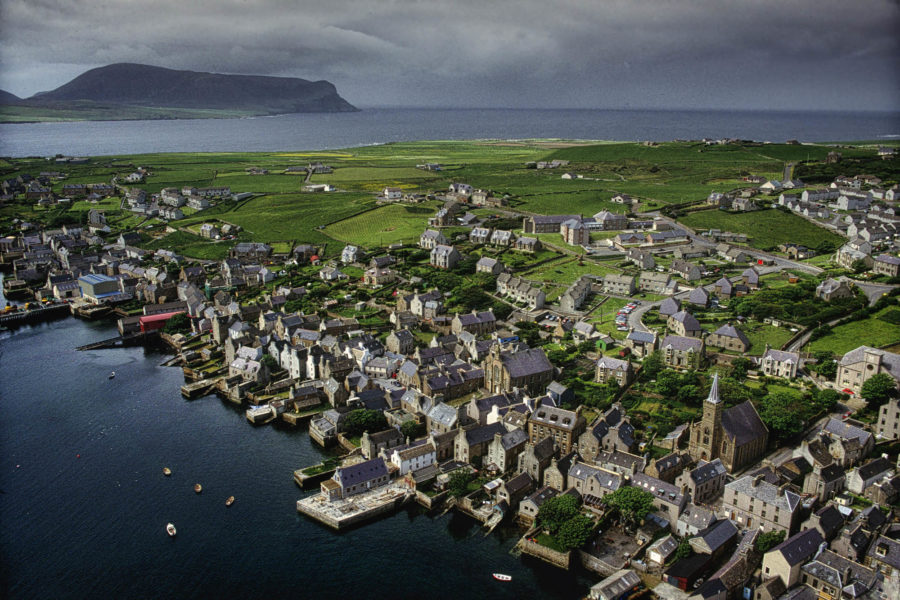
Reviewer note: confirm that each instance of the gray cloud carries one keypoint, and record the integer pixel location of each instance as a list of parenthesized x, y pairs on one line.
[(570, 53)]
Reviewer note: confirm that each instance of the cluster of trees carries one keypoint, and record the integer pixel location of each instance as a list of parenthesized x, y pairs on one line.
[(180, 323), (363, 419), (562, 518), (632, 504), (786, 413), (796, 303), (458, 486)]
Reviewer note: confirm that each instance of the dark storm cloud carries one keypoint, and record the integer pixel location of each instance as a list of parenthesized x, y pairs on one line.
[(704, 53)]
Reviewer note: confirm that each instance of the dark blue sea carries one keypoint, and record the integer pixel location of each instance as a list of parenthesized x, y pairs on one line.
[(383, 125), (84, 502)]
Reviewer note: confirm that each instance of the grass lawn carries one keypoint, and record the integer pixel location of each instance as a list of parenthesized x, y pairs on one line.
[(566, 273), (766, 228), (761, 334), (874, 331), (383, 225)]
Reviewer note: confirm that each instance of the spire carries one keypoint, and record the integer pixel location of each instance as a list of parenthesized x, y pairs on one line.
[(714, 390)]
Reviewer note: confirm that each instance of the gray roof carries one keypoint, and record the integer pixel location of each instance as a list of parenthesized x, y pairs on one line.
[(715, 536), (444, 414), (847, 431), (660, 489), (542, 495), (800, 547), (697, 516), (698, 296), (361, 472), (677, 342), (669, 306), (557, 417), (707, 470), (645, 337), (480, 435), (766, 492), (742, 423), (781, 356), (514, 438), (527, 362), (889, 360), (729, 330)]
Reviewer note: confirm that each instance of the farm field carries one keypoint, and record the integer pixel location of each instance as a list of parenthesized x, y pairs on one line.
[(654, 174), (766, 228), (881, 329), (383, 225)]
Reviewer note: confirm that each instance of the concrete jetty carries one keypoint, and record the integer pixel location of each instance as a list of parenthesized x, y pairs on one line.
[(341, 514)]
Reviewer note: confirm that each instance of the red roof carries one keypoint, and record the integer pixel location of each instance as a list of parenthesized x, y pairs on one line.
[(160, 317)]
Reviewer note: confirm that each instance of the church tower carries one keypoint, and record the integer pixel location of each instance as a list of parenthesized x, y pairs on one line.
[(706, 436)]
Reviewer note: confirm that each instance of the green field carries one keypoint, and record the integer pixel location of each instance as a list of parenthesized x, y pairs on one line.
[(881, 329), (765, 228), (383, 225)]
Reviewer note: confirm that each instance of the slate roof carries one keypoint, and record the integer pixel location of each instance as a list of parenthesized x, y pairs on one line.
[(766, 492), (729, 330), (707, 470), (661, 490), (444, 414), (889, 360), (697, 516), (644, 337), (677, 342), (669, 306), (361, 472), (527, 362), (847, 431), (514, 438), (714, 537), (875, 467), (542, 495), (742, 423), (800, 547), (698, 296), (556, 417), (481, 435)]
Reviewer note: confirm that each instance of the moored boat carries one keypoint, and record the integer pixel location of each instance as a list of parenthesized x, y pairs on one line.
[(170, 529), (112, 375), (502, 577), (167, 471), (230, 501), (198, 488)]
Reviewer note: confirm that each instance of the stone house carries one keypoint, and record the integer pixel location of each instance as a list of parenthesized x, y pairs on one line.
[(680, 352), (563, 426), (755, 503), (444, 257), (729, 337), (622, 285), (613, 369)]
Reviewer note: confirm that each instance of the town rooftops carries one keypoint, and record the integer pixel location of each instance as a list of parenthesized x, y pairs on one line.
[(660, 489), (847, 431), (889, 360), (730, 331), (707, 470), (742, 423)]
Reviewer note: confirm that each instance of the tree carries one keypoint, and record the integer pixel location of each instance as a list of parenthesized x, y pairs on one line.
[(412, 430), (575, 532), (652, 365), (554, 512), (878, 388), (740, 366), (859, 266), (684, 549), (824, 365), (668, 383), (458, 485), (633, 504), (270, 362), (781, 412), (363, 419), (767, 541), (180, 323), (825, 400), (688, 394)]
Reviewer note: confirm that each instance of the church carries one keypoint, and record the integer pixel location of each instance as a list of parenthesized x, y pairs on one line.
[(735, 435)]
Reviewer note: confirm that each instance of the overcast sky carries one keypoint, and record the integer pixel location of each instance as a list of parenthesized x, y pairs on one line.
[(782, 54)]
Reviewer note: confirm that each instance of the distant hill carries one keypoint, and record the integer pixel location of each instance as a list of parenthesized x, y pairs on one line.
[(7, 98), (119, 89)]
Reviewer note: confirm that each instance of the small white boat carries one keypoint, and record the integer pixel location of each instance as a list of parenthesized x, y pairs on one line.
[(502, 577), (170, 529), (198, 488), (229, 501), (112, 375), (167, 471)]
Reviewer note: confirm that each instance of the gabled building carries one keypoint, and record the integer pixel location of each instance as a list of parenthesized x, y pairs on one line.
[(736, 435), (756, 503), (680, 352)]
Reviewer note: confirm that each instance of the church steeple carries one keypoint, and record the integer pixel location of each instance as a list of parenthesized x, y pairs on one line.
[(714, 390)]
